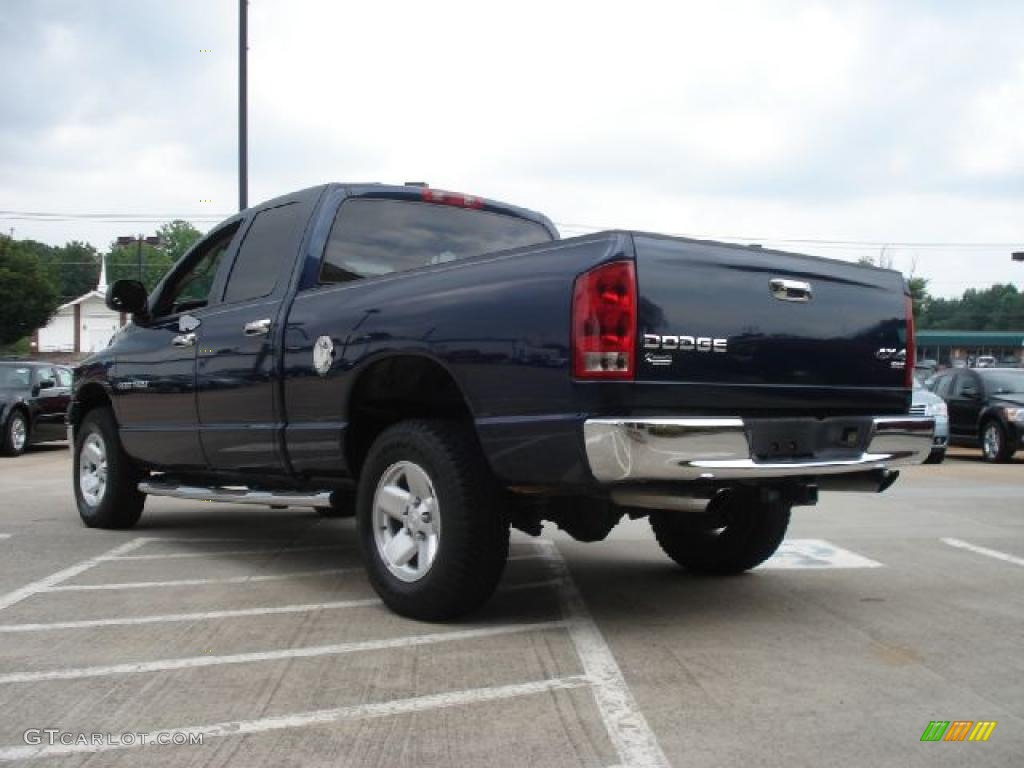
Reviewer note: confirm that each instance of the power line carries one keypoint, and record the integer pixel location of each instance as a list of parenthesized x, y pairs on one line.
[(104, 218), (115, 217)]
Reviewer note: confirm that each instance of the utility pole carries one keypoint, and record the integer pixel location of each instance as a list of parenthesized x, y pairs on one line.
[(243, 128), (139, 240)]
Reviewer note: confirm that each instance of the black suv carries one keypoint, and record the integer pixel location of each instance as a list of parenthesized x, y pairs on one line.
[(34, 398), (986, 409)]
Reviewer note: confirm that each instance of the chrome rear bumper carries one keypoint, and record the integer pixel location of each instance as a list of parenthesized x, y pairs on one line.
[(623, 450)]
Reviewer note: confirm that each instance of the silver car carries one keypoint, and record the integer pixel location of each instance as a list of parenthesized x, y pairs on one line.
[(927, 403)]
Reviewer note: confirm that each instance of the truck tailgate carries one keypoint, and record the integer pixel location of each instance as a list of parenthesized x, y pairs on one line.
[(770, 323)]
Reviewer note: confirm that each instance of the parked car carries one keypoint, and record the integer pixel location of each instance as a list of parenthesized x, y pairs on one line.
[(368, 341), (985, 361), (927, 403), (34, 397), (986, 409)]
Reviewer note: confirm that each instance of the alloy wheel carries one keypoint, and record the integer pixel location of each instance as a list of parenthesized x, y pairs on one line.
[(992, 441), (92, 469), (19, 433), (406, 521)]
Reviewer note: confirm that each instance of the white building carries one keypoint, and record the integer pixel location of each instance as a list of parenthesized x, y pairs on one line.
[(81, 326)]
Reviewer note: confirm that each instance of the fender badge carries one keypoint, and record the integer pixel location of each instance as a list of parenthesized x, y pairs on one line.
[(323, 355)]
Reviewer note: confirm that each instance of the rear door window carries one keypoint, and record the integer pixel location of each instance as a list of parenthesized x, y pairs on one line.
[(45, 374), (372, 237), (269, 245), (965, 382)]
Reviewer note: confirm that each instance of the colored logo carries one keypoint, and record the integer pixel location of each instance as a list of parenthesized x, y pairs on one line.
[(958, 730)]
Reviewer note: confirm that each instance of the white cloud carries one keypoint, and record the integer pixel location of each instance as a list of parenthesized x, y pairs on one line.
[(870, 121)]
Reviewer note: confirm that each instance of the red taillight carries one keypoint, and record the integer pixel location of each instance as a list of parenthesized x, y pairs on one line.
[(604, 322), (440, 197), (911, 347)]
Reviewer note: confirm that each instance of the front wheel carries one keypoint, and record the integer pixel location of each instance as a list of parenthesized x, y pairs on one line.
[(994, 445), (432, 526), (737, 533), (15, 434), (106, 481)]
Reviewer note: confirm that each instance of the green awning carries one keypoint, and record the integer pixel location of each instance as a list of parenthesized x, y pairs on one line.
[(970, 338)]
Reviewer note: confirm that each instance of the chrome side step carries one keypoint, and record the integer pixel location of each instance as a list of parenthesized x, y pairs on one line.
[(316, 499)]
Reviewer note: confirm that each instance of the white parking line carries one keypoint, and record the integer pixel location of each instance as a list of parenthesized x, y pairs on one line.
[(171, 617), (49, 582), (215, 539), (318, 717), (200, 582), (75, 673), (267, 551), (630, 734), (994, 553)]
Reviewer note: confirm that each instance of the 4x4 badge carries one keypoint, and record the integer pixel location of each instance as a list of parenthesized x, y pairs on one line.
[(323, 355)]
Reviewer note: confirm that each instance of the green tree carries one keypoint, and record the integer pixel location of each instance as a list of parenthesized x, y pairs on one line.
[(80, 268), (28, 298), (176, 237), (123, 263), (998, 308), (919, 295), (73, 268)]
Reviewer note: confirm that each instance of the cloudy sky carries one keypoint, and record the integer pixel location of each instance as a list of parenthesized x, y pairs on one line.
[(860, 124)]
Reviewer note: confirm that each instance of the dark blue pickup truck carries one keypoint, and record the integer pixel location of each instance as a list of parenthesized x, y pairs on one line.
[(445, 367)]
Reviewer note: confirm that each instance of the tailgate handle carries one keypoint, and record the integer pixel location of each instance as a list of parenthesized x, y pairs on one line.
[(790, 290)]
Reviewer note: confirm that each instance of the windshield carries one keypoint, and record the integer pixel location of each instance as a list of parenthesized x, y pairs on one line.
[(15, 377), (1004, 382)]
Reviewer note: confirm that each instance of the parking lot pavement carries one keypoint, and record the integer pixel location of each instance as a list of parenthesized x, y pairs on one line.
[(257, 629)]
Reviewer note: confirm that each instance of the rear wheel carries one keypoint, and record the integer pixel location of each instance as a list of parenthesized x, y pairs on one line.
[(994, 445), (432, 526), (106, 481), (737, 533), (15, 435)]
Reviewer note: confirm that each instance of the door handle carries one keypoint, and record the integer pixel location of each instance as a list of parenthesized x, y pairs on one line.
[(257, 327), (184, 340), (790, 290)]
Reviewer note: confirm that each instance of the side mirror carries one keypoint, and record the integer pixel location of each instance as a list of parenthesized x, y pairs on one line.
[(47, 384), (127, 296)]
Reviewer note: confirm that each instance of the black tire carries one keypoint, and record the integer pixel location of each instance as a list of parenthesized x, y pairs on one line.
[(937, 456), (737, 533), (472, 520), (118, 504), (10, 445), (995, 447)]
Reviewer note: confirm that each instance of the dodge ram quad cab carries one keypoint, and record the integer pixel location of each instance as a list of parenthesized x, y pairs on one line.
[(444, 367)]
